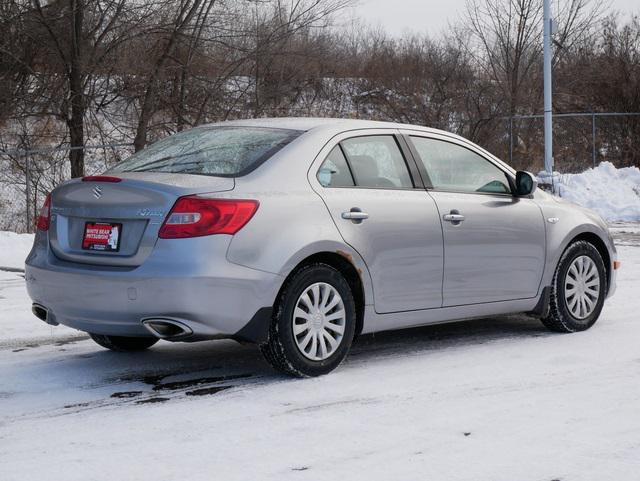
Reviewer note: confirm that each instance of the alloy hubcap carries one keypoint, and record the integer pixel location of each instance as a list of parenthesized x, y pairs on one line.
[(582, 287), (318, 321)]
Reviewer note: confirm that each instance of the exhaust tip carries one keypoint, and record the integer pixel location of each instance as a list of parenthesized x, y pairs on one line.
[(166, 328), (42, 313)]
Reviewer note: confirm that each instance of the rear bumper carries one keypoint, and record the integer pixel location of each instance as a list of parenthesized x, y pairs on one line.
[(181, 279)]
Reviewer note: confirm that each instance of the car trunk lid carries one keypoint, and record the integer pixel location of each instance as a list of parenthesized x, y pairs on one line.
[(137, 204)]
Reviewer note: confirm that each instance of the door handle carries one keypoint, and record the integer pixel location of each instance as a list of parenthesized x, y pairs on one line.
[(355, 214), (455, 217)]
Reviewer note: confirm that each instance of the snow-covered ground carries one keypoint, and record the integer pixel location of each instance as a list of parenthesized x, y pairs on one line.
[(612, 193), (492, 399), (16, 326), (14, 249)]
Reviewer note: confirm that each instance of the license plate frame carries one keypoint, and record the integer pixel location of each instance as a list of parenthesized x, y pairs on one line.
[(99, 236)]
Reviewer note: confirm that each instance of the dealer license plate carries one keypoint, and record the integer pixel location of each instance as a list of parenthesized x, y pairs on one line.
[(102, 236)]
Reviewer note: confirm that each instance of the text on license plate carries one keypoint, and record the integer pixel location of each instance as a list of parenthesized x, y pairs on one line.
[(101, 236)]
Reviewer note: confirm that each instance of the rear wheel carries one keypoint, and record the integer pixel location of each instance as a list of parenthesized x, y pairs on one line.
[(123, 344), (313, 324), (578, 290)]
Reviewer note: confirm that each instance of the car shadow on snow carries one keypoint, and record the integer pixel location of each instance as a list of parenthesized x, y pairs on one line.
[(448, 335), (171, 371)]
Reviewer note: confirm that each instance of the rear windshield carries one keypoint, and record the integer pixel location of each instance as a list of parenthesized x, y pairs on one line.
[(219, 151)]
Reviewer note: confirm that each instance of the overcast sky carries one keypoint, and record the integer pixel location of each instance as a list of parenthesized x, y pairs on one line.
[(433, 16)]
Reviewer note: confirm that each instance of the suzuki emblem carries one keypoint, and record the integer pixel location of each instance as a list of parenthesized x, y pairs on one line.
[(97, 192)]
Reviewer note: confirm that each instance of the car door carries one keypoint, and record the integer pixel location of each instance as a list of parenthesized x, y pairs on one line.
[(494, 242), (391, 222)]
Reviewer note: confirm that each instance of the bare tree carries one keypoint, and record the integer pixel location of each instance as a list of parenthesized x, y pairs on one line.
[(180, 22), (283, 43), (78, 38), (505, 38)]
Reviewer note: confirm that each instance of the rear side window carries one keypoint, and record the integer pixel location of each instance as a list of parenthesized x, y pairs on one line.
[(334, 171), (376, 161), (218, 151)]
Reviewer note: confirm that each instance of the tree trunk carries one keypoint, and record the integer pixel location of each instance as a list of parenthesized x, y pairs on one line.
[(182, 94), (76, 155), (76, 93), (140, 139)]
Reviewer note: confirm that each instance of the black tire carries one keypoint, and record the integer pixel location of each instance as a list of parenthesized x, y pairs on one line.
[(560, 318), (281, 349), (123, 344)]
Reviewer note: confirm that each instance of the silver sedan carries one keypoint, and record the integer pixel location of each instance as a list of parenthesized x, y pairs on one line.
[(300, 234)]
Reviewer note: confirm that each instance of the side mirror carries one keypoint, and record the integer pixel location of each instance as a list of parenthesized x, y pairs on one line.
[(526, 183)]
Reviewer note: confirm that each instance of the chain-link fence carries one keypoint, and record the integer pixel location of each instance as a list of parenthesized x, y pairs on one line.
[(27, 175), (580, 140)]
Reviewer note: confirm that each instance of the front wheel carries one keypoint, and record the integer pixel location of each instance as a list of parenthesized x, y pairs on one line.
[(578, 290), (123, 344), (313, 324)]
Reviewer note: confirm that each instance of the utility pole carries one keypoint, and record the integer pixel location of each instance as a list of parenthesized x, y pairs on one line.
[(548, 120)]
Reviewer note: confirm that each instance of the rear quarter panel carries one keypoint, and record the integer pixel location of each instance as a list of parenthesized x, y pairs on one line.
[(291, 223)]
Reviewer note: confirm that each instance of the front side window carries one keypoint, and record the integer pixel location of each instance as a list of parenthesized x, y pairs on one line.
[(219, 151), (334, 171), (376, 161), (456, 168)]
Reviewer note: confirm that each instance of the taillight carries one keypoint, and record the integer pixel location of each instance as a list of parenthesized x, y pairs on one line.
[(45, 214), (101, 178), (194, 216)]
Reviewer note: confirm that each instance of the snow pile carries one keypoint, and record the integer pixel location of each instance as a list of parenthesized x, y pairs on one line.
[(612, 193), (14, 249)]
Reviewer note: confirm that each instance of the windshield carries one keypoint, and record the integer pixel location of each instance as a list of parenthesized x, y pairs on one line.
[(219, 151)]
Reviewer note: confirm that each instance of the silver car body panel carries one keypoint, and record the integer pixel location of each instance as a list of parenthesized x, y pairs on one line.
[(497, 253), (400, 241), (218, 283), (565, 222), (217, 297), (139, 205), (402, 246)]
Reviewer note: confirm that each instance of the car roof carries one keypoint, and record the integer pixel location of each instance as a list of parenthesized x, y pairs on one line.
[(311, 123)]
